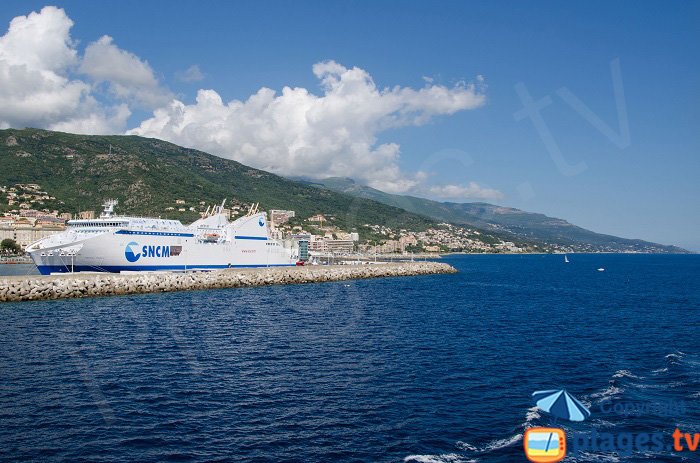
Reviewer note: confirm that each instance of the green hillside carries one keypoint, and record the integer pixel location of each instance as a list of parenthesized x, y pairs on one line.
[(520, 225), (148, 175)]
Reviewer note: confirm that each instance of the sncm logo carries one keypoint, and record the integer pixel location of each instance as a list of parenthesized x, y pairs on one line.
[(150, 251), (129, 252)]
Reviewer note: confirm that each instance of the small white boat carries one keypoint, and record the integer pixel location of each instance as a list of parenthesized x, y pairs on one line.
[(566, 259), (601, 269)]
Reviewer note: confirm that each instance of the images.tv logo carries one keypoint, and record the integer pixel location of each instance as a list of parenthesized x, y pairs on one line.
[(545, 445)]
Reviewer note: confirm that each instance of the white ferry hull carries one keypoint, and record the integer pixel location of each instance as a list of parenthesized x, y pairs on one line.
[(206, 244), (112, 252)]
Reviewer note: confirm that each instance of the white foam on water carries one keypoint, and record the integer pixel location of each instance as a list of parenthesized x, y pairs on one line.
[(675, 356), (532, 414), (651, 386), (446, 458), (611, 391), (655, 456), (491, 446), (625, 374), (502, 443), (660, 370), (592, 457), (599, 423), (466, 446), (587, 403)]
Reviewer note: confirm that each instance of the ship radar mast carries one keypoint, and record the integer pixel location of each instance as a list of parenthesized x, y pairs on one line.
[(108, 208)]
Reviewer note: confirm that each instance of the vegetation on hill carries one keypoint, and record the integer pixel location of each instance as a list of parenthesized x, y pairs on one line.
[(149, 175)]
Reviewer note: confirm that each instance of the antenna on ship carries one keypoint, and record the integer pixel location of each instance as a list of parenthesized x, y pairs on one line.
[(109, 208)]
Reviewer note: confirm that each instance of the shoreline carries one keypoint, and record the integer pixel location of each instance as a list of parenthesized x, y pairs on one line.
[(81, 285)]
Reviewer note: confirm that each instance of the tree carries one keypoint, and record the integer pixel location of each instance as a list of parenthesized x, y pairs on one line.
[(10, 246)]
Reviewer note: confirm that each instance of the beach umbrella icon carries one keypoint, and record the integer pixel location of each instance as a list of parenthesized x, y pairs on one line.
[(561, 404)]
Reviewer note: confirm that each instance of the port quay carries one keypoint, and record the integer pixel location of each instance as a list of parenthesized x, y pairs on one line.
[(75, 285)]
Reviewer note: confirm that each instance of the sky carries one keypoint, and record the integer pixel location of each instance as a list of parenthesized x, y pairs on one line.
[(586, 112)]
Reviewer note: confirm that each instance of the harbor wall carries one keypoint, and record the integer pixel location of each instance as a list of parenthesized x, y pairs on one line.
[(35, 287)]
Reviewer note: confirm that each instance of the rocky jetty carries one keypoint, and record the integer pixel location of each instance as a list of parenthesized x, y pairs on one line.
[(32, 288)]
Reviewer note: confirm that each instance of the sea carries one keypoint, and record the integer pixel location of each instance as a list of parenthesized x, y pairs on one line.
[(425, 369)]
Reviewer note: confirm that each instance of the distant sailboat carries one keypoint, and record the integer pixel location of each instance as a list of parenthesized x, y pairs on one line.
[(566, 259)]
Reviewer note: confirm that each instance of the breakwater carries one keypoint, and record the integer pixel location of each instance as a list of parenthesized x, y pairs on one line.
[(31, 288)]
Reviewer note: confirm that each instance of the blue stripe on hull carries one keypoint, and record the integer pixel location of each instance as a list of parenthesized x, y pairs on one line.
[(48, 269)]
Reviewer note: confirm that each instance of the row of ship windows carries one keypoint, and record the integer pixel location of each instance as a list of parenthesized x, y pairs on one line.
[(136, 233), (99, 224), (131, 232), (158, 234), (107, 224)]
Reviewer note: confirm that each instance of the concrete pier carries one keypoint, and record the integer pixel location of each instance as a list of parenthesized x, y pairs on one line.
[(32, 288)]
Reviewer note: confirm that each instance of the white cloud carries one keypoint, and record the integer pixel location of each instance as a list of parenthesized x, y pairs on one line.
[(35, 55), (40, 85), (39, 41), (128, 77), (191, 74), (299, 133), (45, 82), (98, 121)]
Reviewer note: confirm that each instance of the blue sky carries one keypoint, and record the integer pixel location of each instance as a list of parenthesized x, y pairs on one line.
[(644, 186)]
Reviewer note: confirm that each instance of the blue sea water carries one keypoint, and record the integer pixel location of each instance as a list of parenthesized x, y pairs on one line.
[(18, 269), (415, 369)]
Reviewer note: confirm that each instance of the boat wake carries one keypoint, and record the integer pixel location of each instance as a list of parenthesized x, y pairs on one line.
[(446, 458)]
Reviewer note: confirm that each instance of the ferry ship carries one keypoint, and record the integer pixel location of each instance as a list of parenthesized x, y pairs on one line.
[(113, 243)]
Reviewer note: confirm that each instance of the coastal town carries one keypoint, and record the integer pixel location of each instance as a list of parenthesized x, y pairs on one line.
[(29, 213)]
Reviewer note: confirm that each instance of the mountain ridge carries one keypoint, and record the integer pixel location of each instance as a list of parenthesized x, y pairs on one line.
[(148, 174), (519, 224)]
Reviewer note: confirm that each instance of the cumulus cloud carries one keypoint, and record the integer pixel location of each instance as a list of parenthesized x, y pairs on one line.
[(46, 82), (43, 84), (35, 54), (98, 121), (299, 133), (126, 75), (191, 74)]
